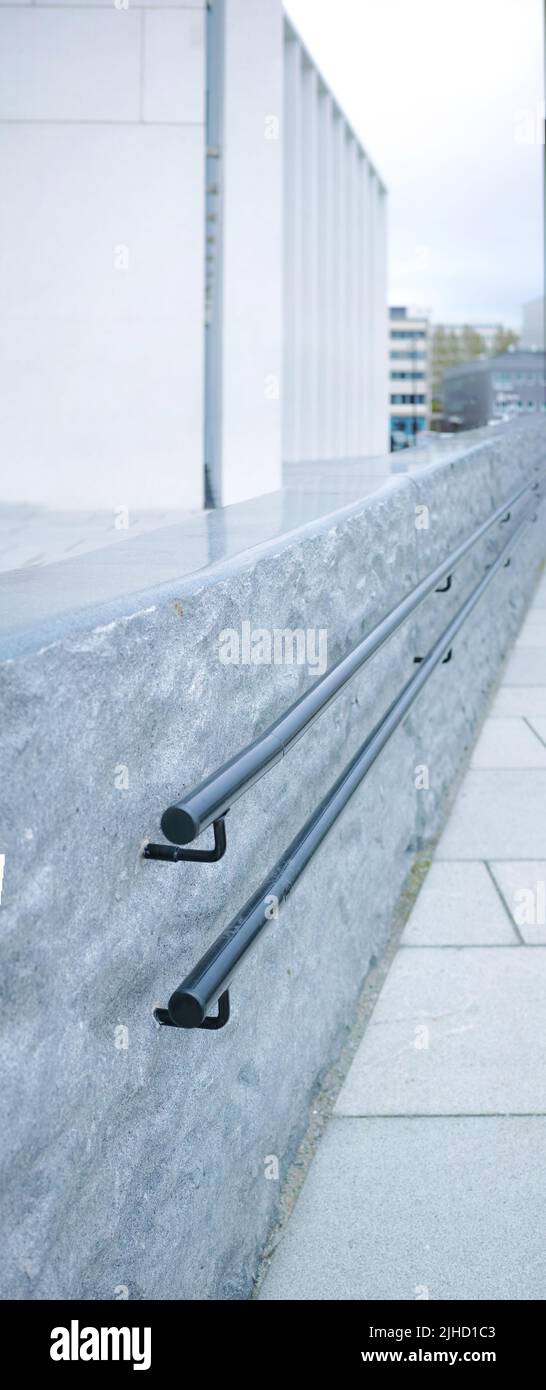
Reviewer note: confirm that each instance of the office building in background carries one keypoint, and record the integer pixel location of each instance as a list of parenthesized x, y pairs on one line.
[(488, 389), (409, 375)]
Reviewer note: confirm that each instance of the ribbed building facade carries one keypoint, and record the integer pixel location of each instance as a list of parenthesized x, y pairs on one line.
[(194, 278)]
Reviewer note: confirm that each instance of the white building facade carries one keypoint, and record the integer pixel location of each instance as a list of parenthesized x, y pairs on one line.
[(194, 264), (533, 318), (335, 289)]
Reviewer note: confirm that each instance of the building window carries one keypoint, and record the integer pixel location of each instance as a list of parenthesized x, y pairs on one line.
[(408, 400), (408, 333), (404, 428), (415, 354)]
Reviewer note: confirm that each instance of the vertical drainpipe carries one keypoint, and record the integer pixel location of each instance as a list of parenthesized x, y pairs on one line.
[(544, 204), (214, 83)]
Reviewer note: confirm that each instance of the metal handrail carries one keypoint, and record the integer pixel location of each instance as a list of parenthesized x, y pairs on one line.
[(209, 801), (209, 981)]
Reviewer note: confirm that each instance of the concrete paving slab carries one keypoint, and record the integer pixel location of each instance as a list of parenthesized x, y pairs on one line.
[(458, 905), (539, 596), (525, 700), (497, 815), (523, 887), (526, 666), (455, 1031), (408, 1209), (533, 632), (534, 615), (508, 743), (538, 724)]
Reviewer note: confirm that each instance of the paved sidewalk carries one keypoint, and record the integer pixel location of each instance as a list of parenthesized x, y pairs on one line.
[(429, 1180)]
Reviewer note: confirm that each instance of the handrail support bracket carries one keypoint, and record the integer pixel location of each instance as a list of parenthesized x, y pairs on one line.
[(174, 854), (213, 1022)]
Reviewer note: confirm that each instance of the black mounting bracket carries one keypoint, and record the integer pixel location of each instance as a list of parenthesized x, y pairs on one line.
[(174, 854), (214, 1021), (445, 659), (505, 565)]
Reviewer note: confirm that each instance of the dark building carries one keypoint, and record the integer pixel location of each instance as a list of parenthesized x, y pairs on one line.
[(494, 388)]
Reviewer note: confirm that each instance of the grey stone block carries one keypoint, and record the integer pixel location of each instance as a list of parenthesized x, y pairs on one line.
[(133, 1155), (489, 471), (144, 1164)]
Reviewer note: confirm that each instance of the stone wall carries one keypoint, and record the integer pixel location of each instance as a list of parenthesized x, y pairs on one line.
[(135, 1158)]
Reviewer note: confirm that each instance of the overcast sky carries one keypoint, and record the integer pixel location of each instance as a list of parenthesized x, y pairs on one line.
[(447, 98)]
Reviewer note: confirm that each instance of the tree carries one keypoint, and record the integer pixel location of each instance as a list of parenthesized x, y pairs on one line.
[(471, 343), (504, 338), (445, 352)]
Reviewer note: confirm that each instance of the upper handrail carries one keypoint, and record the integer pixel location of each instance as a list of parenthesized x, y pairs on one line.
[(209, 980), (209, 801)]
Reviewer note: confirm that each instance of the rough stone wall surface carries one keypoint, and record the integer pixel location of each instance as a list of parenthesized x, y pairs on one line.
[(144, 1166), (459, 495)]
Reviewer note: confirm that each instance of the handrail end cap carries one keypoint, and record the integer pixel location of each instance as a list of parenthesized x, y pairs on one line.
[(179, 826), (185, 1010)]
